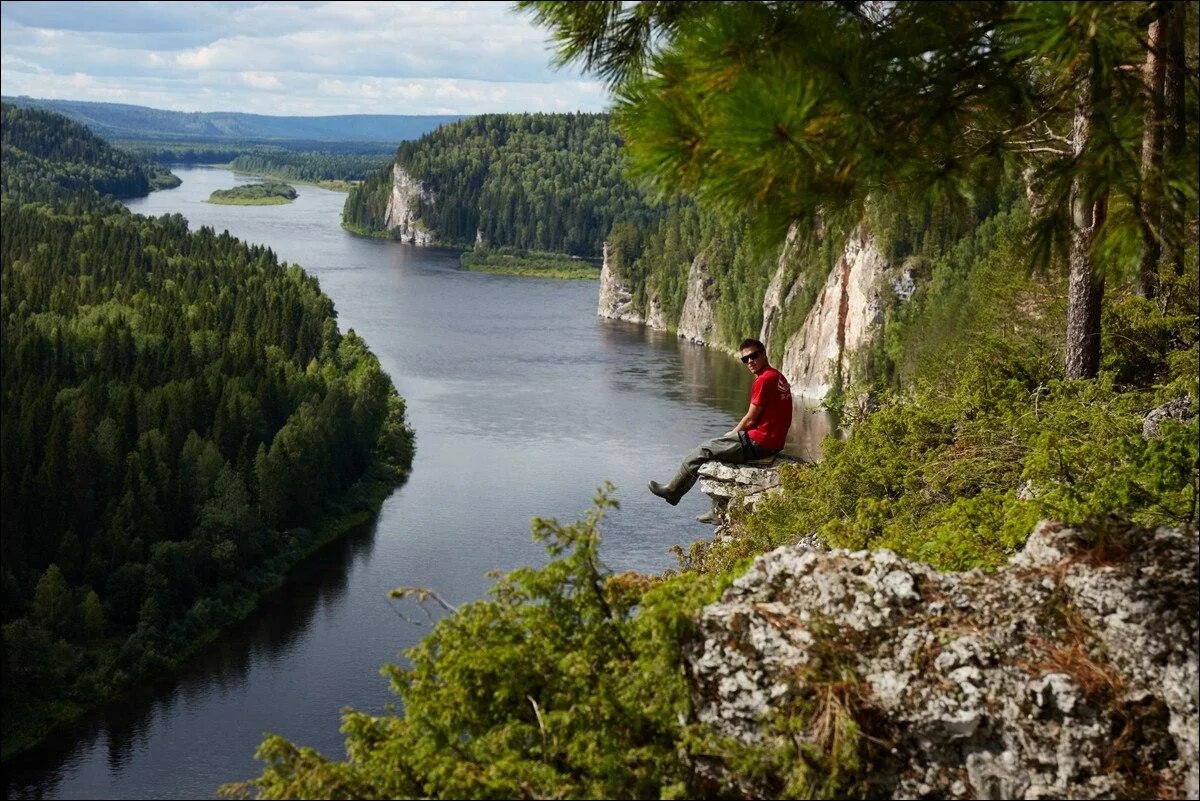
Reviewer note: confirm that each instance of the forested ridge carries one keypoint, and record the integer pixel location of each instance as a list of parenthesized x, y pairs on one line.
[(46, 154), (181, 422), (546, 182), (125, 121)]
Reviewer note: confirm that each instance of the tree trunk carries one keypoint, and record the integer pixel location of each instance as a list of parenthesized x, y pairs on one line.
[(1085, 288), (1175, 119), (1152, 142)]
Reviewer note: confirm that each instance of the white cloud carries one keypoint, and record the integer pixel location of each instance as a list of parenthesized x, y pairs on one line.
[(324, 57), (261, 80)]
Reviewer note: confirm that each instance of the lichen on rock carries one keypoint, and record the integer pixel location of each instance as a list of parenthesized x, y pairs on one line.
[(1072, 672)]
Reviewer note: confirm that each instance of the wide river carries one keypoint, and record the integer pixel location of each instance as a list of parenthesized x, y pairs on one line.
[(523, 401)]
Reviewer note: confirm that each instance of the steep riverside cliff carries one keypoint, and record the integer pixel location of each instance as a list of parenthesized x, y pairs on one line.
[(616, 296), (816, 354), (845, 316), (698, 320), (401, 215), (1072, 673)]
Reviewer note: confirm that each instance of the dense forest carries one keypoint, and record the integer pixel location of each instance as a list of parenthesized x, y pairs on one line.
[(309, 165), (546, 182), (181, 422), (327, 156), (45, 154), (1034, 164)]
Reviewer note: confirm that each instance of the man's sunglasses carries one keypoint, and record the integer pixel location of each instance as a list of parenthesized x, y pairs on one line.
[(746, 359)]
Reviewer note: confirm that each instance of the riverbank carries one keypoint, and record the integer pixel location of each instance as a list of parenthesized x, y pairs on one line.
[(332, 185), (28, 726), (507, 260)]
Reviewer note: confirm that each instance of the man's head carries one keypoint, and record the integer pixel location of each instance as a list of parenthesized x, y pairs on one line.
[(754, 355)]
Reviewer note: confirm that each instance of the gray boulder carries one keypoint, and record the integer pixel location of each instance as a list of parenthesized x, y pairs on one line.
[(1072, 672)]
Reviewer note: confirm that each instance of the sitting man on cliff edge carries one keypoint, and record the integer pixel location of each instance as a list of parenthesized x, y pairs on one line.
[(760, 434)]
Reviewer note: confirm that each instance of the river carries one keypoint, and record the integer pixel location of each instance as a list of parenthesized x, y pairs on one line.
[(523, 403)]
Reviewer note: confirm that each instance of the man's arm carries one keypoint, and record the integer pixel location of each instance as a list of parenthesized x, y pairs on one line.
[(748, 421)]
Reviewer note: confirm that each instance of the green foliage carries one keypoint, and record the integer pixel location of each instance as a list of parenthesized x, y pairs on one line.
[(267, 193), (957, 478), (309, 165), (514, 261), (565, 682), (47, 155), (547, 182)]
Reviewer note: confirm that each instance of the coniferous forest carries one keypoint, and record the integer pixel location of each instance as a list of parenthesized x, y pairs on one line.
[(182, 421), (45, 153), (547, 182)]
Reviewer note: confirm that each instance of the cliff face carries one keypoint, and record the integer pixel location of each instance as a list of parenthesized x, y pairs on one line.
[(401, 216), (697, 321), (1072, 673), (616, 296), (844, 316)]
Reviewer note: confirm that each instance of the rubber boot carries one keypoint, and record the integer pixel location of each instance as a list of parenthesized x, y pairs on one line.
[(674, 491), (664, 492)]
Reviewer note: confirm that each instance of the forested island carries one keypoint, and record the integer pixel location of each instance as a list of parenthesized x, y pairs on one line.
[(515, 261), (182, 422), (268, 193), (1021, 181)]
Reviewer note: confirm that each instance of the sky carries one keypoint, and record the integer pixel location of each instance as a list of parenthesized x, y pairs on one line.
[(289, 58)]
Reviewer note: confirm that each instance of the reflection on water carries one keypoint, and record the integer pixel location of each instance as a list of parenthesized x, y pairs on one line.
[(122, 728)]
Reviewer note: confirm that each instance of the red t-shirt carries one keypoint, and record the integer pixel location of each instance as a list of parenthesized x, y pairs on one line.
[(773, 395)]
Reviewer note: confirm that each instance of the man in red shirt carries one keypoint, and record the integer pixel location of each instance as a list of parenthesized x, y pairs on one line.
[(760, 433)]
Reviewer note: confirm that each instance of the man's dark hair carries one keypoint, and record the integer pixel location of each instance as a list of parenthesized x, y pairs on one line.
[(752, 343)]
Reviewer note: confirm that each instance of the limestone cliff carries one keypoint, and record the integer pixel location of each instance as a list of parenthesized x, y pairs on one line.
[(782, 290), (697, 321), (844, 317), (616, 296), (402, 209)]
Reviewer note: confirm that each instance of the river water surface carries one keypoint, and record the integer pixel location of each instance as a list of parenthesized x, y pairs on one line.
[(523, 403)]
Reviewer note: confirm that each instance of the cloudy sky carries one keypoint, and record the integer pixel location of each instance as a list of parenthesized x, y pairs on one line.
[(304, 58)]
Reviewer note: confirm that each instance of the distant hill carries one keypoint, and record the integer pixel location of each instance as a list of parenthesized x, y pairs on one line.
[(47, 155), (120, 121)]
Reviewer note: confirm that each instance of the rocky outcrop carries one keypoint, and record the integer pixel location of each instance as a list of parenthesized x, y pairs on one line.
[(402, 208), (1070, 673), (616, 298), (842, 319), (1180, 410), (725, 482), (697, 320)]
